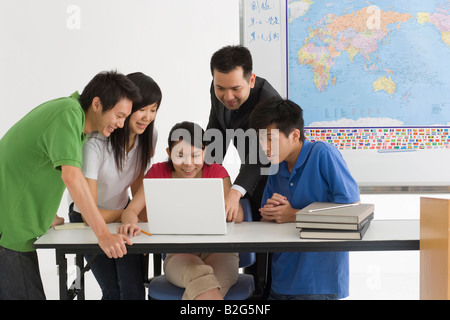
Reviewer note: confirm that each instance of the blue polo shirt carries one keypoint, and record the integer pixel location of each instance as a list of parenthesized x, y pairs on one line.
[(320, 175)]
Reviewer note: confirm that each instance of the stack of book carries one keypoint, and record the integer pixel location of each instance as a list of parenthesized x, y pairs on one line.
[(324, 220)]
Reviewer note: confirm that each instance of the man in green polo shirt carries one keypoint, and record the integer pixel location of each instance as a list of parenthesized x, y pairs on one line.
[(39, 157)]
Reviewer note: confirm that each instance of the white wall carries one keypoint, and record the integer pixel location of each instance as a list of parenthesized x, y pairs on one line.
[(50, 48), (53, 47)]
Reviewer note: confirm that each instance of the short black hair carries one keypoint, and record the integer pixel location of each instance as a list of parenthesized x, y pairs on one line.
[(229, 58), (186, 131), (110, 87), (284, 113)]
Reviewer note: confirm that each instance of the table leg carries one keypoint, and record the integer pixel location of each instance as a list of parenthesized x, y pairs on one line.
[(79, 261), (61, 262), (261, 273), (77, 289)]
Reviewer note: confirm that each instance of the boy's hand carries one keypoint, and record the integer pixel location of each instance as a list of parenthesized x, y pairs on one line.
[(278, 209), (114, 245), (277, 200)]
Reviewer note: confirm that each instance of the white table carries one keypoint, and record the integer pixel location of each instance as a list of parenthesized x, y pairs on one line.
[(260, 237)]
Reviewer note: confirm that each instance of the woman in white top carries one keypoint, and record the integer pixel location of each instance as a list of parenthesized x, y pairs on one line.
[(112, 166)]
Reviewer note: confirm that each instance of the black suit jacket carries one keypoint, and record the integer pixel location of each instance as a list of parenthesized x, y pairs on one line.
[(249, 173)]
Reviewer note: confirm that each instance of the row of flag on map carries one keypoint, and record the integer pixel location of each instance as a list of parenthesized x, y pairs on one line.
[(382, 138)]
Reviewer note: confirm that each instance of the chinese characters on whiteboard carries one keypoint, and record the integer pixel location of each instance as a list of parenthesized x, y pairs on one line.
[(264, 21)]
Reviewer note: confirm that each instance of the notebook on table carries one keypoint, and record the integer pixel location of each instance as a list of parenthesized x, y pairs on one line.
[(186, 206)]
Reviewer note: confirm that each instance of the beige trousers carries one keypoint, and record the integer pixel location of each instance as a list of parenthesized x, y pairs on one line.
[(200, 272)]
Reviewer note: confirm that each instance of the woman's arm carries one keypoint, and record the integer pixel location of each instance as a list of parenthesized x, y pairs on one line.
[(137, 184), (112, 245), (107, 215), (130, 216)]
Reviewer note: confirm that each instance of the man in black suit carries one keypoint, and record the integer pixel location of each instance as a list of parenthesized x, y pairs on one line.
[(235, 91)]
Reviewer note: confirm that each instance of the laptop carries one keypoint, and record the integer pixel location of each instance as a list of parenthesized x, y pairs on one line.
[(186, 206)]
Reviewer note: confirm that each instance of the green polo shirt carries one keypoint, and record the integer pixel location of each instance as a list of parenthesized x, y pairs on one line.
[(31, 155)]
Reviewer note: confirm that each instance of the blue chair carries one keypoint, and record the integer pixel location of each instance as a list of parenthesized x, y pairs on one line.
[(159, 288)]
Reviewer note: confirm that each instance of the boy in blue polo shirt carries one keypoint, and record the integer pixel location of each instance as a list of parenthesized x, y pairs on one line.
[(302, 172)]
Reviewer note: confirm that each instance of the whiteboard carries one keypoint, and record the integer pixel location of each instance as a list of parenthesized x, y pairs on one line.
[(263, 32), (373, 169)]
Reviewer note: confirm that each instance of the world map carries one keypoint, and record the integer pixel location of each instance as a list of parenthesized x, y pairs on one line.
[(361, 64)]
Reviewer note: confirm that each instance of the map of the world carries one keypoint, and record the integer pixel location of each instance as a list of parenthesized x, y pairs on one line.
[(370, 64)]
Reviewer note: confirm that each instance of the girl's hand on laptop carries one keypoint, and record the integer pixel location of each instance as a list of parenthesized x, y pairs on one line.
[(130, 230)]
